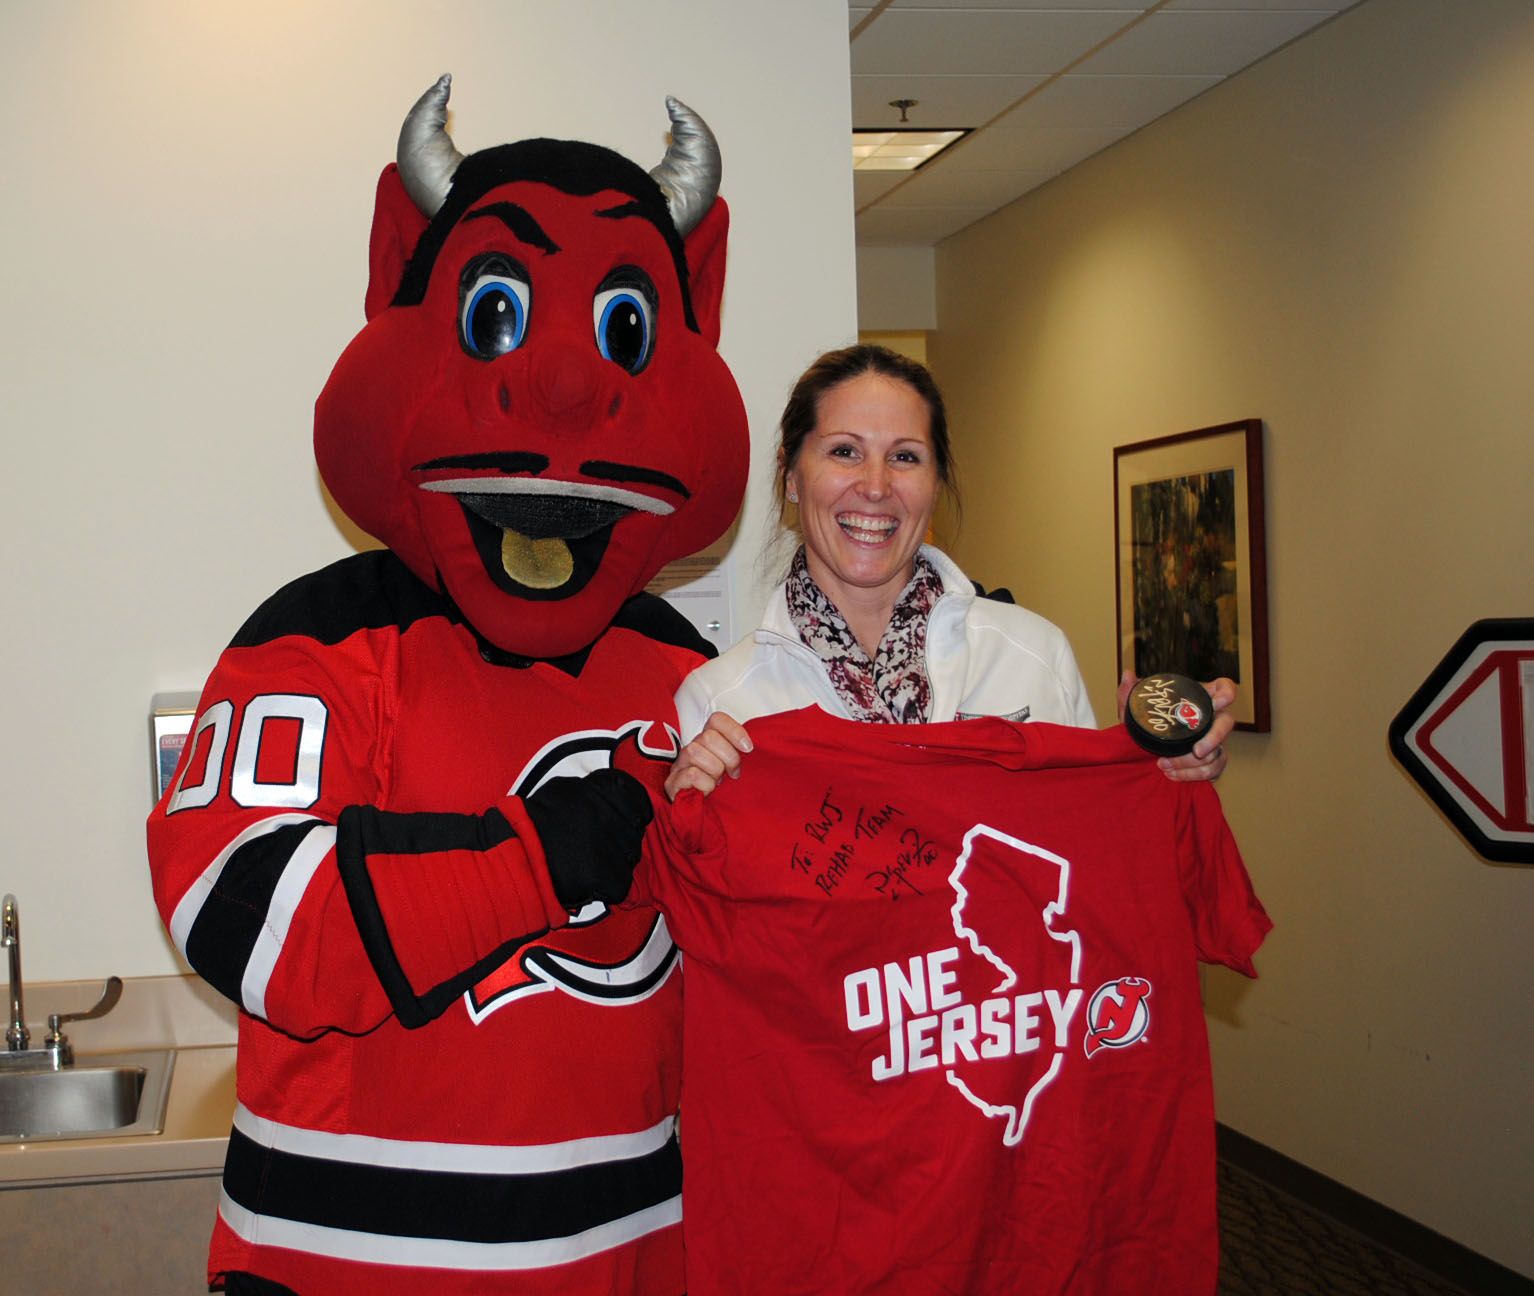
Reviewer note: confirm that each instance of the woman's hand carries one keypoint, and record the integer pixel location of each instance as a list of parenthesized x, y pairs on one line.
[(1208, 758), (714, 753)]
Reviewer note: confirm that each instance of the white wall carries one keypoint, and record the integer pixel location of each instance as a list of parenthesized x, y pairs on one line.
[(188, 188), (1336, 241)]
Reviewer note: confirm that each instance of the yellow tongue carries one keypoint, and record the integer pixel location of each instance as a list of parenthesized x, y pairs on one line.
[(538, 564)]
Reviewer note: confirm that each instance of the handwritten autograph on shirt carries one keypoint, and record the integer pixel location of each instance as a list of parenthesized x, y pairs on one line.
[(835, 845)]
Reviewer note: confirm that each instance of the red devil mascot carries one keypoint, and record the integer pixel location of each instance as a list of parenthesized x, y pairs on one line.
[(418, 776)]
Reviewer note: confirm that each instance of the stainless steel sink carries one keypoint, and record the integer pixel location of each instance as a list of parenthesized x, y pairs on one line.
[(109, 1095)]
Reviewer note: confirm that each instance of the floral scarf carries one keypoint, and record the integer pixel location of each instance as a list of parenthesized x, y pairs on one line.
[(893, 688)]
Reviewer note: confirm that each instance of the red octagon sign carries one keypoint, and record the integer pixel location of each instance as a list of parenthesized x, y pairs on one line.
[(1467, 736)]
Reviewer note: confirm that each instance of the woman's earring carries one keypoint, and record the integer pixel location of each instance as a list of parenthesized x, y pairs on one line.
[(793, 497)]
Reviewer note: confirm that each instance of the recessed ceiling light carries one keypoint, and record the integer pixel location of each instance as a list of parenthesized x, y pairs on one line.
[(899, 150)]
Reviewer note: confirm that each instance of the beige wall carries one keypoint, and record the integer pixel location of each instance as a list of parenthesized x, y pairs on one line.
[(910, 344), (1337, 241), (188, 189)]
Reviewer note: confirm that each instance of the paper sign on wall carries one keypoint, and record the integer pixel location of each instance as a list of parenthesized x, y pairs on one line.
[(1467, 737)]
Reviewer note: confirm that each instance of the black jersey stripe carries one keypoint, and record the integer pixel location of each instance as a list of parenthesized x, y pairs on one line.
[(364, 831), (655, 618), (482, 1208), (375, 590), (368, 591), (231, 918)]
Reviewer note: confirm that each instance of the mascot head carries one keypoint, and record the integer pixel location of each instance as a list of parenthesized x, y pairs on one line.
[(535, 417)]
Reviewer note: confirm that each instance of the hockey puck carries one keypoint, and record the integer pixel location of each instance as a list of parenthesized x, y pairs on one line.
[(1167, 714)]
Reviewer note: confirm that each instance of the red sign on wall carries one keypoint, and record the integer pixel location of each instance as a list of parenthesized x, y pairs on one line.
[(1467, 736)]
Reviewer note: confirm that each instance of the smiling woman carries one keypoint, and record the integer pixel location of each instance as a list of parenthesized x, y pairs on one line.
[(866, 482), (814, 1012), (872, 622)]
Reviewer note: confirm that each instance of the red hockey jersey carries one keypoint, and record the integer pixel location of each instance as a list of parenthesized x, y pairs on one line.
[(445, 1084), (943, 1025)]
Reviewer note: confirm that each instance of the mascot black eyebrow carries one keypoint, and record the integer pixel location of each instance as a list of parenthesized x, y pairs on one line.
[(417, 778)]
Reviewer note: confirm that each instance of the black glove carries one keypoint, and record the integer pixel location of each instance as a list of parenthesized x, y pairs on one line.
[(591, 828)]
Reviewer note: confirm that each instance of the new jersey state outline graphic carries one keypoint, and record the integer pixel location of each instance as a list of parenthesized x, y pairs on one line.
[(1036, 970)]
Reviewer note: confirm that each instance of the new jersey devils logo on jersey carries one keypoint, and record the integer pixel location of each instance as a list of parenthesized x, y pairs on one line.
[(601, 956)]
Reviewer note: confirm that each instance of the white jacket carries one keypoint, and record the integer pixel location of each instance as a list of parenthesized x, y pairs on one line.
[(983, 658)]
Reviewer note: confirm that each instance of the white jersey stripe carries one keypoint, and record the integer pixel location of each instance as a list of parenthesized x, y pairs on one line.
[(296, 876), (196, 895), (444, 1253), (456, 1158)]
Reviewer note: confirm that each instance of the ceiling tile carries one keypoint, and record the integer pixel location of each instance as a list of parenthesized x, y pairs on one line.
[(1123, 6), (1201, 43), (940, 100), (969, 62), (1036, 148), (987, 189), (988, 42), (920, 225), (1327, 5), (1126, 102), (870, 186)]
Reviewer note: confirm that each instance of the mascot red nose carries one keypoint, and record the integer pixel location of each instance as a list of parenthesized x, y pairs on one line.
[(417, 777)]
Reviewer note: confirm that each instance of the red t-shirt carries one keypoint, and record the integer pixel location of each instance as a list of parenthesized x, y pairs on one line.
[(943, 1030)]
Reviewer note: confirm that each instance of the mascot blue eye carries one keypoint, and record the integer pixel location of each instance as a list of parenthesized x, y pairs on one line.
[(625, 323), (494, 316)]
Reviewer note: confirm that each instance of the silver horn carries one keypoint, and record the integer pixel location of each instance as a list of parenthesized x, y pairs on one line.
[(426, 156), (689, 173)]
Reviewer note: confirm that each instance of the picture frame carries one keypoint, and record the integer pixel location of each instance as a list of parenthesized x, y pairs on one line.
[(1191, 571)]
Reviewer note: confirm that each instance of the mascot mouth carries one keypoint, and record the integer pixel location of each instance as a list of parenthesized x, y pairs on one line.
[(542, 539)]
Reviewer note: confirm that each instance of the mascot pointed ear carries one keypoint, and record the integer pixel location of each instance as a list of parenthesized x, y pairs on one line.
[(705, 268), (397, 227)]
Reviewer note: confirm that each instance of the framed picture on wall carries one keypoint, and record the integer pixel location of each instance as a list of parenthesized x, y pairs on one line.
[(1192, 563)]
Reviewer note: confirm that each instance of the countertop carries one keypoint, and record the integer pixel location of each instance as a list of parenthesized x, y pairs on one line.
[(176, 1013)]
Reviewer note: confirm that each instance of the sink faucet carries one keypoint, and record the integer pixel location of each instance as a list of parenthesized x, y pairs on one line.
[(56, 1051), (17, 1037)]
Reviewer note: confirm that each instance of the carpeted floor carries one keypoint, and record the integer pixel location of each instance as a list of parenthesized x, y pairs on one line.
[(1272, 1244)]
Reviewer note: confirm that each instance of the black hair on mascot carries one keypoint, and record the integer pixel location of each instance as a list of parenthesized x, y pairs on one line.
[(418, 777)]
